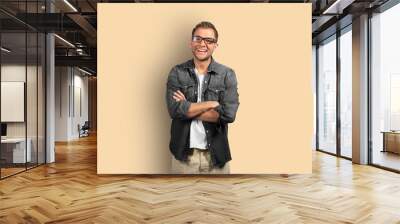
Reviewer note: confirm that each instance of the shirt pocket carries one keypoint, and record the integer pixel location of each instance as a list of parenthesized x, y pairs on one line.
[(214, 94), (188, 91)]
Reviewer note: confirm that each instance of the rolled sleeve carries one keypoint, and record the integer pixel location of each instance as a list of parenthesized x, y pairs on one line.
[(176, 109), (230, 100)]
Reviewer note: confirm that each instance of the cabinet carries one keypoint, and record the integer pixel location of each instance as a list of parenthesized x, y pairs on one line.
[(13, 151), (391, 142)]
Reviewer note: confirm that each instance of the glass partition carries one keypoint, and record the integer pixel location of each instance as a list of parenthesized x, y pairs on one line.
[(385, 89), (22, 88), (346, 93), (327, 95), (13, 109)]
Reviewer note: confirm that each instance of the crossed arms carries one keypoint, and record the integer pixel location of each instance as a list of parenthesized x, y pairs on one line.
[(210, 111), (204, 111)]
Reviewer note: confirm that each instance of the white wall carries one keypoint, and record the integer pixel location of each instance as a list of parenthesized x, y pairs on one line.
[(62, 80), (16, 72), (80, 84), (71, 92)]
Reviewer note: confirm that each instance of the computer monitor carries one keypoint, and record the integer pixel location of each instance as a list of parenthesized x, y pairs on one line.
[(3, 129)]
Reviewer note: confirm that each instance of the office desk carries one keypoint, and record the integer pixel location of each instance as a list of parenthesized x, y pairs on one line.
[(391, 141), (13, 150)]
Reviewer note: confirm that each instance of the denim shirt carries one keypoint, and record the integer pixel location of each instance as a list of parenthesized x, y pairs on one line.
[(220, 84)]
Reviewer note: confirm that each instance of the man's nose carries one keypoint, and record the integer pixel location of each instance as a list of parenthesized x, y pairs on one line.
[(203, 43)]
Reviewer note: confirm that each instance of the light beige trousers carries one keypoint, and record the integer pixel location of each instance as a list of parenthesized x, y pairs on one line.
[(198, 163)]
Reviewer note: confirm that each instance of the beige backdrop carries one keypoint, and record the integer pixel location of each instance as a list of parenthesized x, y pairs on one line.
[(269, 47)]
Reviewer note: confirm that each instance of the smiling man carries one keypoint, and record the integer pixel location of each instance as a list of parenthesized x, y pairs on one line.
[(202, 98)]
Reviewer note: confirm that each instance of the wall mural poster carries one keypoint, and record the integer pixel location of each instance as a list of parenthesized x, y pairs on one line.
[(190, 90)]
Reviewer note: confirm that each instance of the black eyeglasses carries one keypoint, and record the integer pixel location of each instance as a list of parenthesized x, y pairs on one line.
[(207, 40)]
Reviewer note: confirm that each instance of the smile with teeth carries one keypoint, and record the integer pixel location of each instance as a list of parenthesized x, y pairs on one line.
[(202, 50)]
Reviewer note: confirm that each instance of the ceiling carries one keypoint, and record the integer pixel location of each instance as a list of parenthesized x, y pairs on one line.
[(76, 22)]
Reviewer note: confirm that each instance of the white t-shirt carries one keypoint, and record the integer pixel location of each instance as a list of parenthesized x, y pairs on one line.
[(198, 138)]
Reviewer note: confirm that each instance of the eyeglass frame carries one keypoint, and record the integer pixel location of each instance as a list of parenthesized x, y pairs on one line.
[(206, 40)]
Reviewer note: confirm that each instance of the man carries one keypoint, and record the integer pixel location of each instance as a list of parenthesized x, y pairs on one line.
[(202, 99)]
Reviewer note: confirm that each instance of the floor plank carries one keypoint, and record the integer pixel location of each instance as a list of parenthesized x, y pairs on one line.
[(70, 191)]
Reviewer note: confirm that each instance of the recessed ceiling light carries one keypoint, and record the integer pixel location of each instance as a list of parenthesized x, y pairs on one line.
[(70, 5), (5, 50), (338, 6), (84, 71), (64, 40)]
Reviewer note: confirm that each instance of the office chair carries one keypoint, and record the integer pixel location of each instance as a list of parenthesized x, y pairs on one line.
[(84, 130)]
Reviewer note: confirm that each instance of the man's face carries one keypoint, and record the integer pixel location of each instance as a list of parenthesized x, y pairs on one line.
[(203, 43)]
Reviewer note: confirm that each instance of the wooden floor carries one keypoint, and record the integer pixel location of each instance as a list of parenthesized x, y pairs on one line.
[(69, 191), (5, 172), (387, 159), (8, 171)]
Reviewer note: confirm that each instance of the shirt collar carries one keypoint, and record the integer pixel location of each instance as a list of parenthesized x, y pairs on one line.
[(212, 67)]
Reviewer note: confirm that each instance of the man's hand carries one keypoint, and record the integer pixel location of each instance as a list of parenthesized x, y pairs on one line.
[(212, 104), (178, 96), (197, 108), (210, 115)]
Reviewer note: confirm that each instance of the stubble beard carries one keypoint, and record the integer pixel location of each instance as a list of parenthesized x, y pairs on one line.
[(202, 59)]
